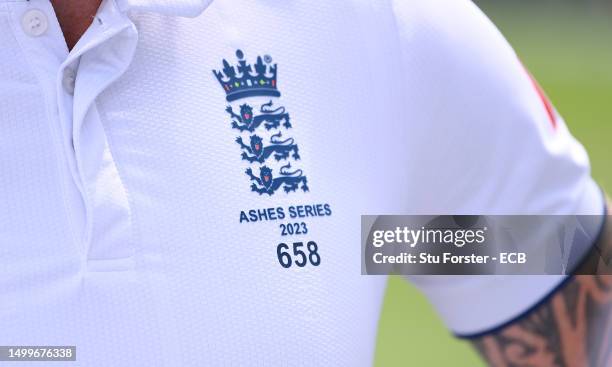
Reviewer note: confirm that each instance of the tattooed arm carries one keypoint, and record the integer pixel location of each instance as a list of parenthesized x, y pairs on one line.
[(573, 328)]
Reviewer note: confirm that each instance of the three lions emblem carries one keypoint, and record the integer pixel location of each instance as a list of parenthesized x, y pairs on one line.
[(260, 79)]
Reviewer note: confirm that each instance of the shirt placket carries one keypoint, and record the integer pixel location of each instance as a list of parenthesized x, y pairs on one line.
[(101, 56), (73, 81)]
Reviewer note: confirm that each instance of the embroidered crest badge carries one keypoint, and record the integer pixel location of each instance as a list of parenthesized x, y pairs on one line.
[(244, 82)]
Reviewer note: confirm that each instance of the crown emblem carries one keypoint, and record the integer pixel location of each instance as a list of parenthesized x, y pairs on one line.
[(247, 80)]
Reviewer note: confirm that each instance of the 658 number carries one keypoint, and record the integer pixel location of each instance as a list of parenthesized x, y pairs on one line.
[(300, 256)]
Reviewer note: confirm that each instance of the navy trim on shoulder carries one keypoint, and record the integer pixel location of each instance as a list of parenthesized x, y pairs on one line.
[(550, 293)]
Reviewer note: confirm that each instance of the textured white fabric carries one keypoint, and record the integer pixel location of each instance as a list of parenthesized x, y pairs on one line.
[(188, 8), (121, 229), (494, 146)]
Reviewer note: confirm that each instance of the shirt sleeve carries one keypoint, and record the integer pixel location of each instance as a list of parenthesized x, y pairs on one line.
[(495, 145)]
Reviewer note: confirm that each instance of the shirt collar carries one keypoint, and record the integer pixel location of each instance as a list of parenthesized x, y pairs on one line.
[(183, 8)]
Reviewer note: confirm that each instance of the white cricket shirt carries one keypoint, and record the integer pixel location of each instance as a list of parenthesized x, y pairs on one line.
[(149, 177)]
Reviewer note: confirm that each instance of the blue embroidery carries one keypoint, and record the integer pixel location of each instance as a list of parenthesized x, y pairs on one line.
[(244, 81), (247, 121), (266, 183), (241, 82), (257, 152)]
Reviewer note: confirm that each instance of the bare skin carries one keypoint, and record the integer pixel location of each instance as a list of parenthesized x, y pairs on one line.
[(75, 17), (572, 329)]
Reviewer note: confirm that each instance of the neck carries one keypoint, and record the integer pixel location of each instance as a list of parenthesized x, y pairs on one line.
[(75, 17)]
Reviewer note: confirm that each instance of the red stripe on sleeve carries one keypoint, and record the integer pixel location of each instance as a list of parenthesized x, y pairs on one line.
[(552, 116)]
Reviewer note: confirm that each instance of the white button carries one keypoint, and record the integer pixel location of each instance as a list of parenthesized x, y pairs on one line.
[(69, 80), (34, 22)]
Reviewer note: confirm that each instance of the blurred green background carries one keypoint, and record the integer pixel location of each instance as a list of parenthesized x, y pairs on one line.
[(567, 45)]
